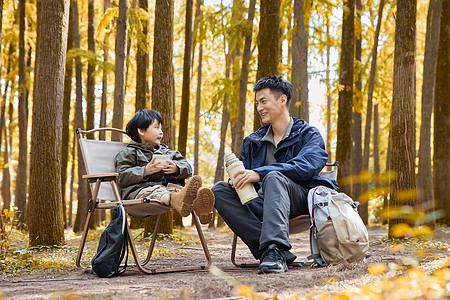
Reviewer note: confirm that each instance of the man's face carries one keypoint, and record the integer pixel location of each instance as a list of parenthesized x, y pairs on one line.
[(269, 106)]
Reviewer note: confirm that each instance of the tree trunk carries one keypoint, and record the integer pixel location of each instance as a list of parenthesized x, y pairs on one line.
[(268, 37), (162, 86), (21, 175), (72, 180), (344, 139), (120, 69), (46, 225), (90, 87), (425, 174), (299, 105), (82, 192), (328, 82), (240, 122), (66, 116), (106, 5), (142, 63), (376, 148), (6, 174), (356, 124), (187, 66), (441, 161), (403, 116)]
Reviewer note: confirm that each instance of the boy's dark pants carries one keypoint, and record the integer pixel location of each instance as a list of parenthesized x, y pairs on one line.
[(264, 221)]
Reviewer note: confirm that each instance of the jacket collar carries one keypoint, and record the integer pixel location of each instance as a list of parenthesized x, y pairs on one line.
[(297, 127)]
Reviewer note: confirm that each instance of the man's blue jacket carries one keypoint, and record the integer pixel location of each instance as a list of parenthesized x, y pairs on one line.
[(300, 156)]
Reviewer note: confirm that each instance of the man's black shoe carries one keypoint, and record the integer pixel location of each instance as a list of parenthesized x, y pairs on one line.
[(273, 261), (290, 258)]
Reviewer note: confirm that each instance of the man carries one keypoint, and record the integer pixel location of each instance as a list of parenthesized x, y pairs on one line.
[(282, 159)]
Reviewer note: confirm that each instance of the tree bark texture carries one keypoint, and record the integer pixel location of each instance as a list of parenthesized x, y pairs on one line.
[(299, 64), (45, 209), (240, 122), (187, 66), (344, 139), (66, 116), (163, 84), (403, 117), (21, 175), (328, 82), (425, 174), (376, 143), (356, 116), (142, 58), (268, 37), (441, 161), (82, 192), (120, 69)]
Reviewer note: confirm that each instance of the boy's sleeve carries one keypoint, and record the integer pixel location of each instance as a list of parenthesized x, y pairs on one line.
[(184, 167), (129, 173)]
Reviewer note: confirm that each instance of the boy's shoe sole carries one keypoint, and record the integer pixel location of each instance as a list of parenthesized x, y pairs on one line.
[(190, 193), (204, 204)]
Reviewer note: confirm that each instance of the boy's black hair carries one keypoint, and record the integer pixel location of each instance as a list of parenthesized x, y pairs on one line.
[(142, 120), (275, 84)]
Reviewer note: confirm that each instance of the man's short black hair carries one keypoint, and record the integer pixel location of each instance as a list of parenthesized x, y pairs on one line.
[(142, 120), (275, 84)]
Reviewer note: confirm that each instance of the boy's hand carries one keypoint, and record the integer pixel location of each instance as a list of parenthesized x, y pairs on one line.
[(170, 167), (152, 167), (241, 178)]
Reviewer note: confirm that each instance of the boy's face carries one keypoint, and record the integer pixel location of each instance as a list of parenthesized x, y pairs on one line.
[(152, 134)]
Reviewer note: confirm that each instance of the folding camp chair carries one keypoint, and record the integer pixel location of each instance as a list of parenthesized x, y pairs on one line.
[(99, 161), (296, 225)]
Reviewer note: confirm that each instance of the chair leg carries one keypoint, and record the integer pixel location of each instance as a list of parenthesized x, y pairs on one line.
[(84, 236), (233, 255), (146, 269)]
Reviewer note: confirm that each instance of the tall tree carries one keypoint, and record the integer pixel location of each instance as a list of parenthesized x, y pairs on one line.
[(142, 58), (66, 115), (268, 37), (328, 80), (187, 66), (425, 174), (403, 117), (120, 69), (441, 162), (46, 225), (344, 140), (106, 5), (90, 86), (21, 175), (300, 64), (240, 122), (363, 209), (198, 15), (357, 109), (163, 84), (82, 192)]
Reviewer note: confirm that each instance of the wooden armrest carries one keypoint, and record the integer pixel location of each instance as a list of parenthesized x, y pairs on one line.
[(102, 177)]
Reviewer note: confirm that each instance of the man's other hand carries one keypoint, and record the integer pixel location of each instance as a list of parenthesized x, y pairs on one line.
[(241, 178)]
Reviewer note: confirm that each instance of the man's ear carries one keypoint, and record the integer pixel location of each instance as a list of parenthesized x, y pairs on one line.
[(283, 99)]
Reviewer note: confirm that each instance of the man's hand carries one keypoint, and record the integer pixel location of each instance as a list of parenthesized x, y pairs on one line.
[(241, 178), (152, 167), (170, 167)]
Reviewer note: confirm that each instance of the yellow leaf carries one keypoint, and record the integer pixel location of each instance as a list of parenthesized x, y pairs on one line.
[(11, 214), (406, 195), (328, 280), (244, 290), (400, 230), (377, 268)]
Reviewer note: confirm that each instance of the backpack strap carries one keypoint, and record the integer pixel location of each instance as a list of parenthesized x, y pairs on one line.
[(315, 260)]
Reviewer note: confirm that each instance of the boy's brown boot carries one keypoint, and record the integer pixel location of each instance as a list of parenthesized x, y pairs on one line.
[(204, 204), (182, 201)]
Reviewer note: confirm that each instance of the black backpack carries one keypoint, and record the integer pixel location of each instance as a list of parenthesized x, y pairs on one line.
[(113, 246)]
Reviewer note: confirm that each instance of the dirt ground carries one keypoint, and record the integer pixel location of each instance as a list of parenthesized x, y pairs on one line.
[(221, 280)]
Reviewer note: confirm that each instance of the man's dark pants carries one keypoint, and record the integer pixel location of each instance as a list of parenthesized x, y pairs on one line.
[(264, 221)]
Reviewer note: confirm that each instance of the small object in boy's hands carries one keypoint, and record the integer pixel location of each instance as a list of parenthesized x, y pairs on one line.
[(162, 159)]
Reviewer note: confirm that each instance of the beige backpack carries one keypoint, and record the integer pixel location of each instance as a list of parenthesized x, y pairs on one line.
[(337, 231)]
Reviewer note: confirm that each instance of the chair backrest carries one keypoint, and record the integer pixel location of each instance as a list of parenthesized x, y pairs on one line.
[(99, 159)]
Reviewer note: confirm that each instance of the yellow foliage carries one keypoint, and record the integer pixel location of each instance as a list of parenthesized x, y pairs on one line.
[(406, 195), (377, 268), (244, 290), (401, 230), (328, 280)]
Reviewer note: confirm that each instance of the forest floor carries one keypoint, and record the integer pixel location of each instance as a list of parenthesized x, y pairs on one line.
[(51, 273)]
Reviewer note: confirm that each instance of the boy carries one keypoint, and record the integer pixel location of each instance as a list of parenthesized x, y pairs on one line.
[(141, 176)]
